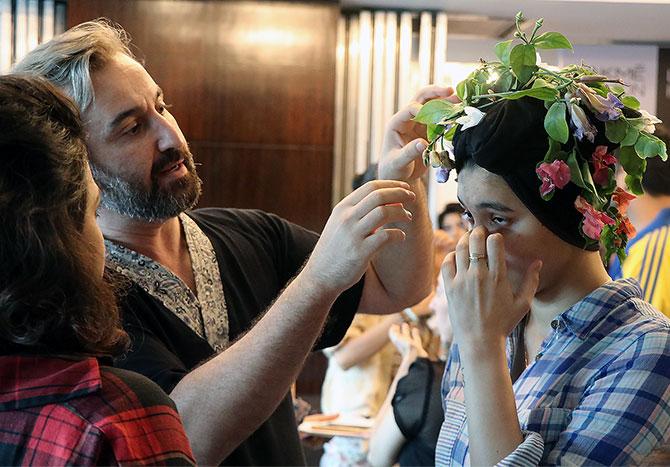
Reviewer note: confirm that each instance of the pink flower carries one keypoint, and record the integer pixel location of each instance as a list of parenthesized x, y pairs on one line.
[(594, 220), (602, 160), (622, 199), (553, 175)]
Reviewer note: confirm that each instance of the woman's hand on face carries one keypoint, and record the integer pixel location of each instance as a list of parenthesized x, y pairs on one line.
[(407, 338), (482, 305)]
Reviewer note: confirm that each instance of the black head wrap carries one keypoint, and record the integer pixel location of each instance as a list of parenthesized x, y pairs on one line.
[(511, 141)]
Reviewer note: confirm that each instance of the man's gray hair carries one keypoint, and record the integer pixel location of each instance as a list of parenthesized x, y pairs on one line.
[(68, 59)]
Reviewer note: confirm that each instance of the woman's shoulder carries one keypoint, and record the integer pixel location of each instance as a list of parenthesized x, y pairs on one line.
[(132, 389)]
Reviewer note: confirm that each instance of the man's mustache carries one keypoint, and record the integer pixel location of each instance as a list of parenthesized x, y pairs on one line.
[(169, 157)]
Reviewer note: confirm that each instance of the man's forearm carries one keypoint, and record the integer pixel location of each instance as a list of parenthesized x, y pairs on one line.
[(226, 399), (405, 271)]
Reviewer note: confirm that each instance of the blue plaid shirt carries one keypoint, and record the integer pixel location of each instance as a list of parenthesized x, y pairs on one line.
[(599, 393)]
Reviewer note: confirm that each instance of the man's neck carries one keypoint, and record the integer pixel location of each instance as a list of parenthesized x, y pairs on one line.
[(645, 208), (158, 240)]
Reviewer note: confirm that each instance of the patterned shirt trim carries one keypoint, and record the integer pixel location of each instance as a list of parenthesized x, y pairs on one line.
[(205, 314)]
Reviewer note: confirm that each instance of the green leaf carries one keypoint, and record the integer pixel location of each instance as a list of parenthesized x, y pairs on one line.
[(631, 136), (634, 184), (649, 146), (575, 171), (505, 82), (437, 110), (552, 40), (433, 131), (617, 89), (553, 151), (616, 130), (545, 94), (630, 161), (598, 201), (523, 60), (462, 90), (631, 102), (503, 50), (449, 135), (555, 123), (637, 123)]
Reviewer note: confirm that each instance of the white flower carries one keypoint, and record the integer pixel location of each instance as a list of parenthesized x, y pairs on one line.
[(649, 121), (471, 118)]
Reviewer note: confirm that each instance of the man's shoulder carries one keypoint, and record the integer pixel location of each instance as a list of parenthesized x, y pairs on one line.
[(232, 217)]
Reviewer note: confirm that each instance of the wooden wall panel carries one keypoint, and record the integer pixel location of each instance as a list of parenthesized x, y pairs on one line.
[(279, 178), (252, 87)]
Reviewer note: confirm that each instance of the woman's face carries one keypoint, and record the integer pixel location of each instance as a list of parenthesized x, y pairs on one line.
[(490, 202), (91, 230)]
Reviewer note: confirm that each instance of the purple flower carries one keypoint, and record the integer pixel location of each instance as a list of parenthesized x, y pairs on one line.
[(442, 175), (580, 122), (604, 109)]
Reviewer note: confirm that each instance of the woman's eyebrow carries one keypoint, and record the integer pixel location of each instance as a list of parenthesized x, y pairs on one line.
[(495, 207)]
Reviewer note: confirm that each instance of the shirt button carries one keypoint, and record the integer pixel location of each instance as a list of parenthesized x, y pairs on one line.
[(554, 324)]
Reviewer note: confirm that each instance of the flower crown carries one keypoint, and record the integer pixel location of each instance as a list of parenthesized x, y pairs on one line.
[(573, 96)]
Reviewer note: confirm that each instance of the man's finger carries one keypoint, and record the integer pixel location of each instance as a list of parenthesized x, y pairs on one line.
[(433, 91), (380, 216), (383, 197), (410, 152), (403, 116), (357, 195)]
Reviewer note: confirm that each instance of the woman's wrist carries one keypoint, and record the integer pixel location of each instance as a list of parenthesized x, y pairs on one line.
[(481, 349)]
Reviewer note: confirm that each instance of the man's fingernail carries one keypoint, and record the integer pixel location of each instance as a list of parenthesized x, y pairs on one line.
[(420, 146)]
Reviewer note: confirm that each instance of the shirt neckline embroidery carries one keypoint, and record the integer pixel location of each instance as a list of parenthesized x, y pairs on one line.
[(206, 314)]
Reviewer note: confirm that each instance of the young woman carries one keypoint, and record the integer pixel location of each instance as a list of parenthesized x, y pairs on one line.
[(553, 362), (583, 379), (58, 320)]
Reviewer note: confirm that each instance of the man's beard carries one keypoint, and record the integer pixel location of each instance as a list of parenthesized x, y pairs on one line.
[(131, 198)]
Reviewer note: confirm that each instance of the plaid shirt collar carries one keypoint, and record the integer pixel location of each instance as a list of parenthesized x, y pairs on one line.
[(31, 381), (591, 315)]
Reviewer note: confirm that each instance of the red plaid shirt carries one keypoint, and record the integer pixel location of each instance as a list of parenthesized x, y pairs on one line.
[(60, 411)]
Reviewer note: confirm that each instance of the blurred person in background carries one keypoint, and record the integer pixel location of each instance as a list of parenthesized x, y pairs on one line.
[(360, 370)]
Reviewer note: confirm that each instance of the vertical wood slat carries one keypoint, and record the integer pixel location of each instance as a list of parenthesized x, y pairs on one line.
[(6, 36), (390, 63), (32, 24), (340, 106), (20, 29), (364, 83), (405, 59), (439, 59), (350, 111), (376, 104), (48, 20), (425, 49)]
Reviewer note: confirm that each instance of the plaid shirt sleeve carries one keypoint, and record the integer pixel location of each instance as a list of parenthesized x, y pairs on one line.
[(622, 416)]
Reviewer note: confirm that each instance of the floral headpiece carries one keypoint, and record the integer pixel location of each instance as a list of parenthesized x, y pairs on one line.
[(574, 97)]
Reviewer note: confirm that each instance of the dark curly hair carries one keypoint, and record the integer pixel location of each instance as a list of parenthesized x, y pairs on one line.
[(52, 298)]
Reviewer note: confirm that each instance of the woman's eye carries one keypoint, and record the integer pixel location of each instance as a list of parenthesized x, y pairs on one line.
[(468, 221)]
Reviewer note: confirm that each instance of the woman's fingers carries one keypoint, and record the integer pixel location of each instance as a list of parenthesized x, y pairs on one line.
[(495, 247), (477, 248), (531, 281), (462, 253)]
